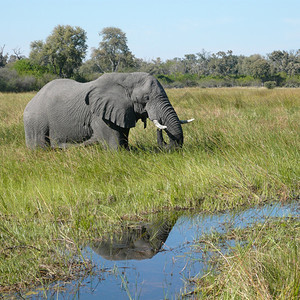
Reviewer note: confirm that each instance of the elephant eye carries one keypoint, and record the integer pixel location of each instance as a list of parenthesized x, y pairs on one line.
[(146, 97)]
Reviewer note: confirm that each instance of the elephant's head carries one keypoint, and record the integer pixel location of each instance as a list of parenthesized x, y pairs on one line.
[(141, 96), (150, 100)]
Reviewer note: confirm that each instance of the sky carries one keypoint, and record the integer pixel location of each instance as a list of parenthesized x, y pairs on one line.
[(159, 28)]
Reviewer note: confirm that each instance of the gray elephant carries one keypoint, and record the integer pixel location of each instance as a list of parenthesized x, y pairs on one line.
[(65, 112)]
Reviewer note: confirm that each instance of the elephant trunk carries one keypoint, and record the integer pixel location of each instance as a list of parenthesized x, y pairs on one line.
[(162, 113)]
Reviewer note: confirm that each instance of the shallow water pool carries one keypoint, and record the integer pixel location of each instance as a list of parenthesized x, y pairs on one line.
[(154, 261)]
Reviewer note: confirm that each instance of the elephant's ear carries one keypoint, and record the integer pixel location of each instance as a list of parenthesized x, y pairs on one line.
[(112, 106)]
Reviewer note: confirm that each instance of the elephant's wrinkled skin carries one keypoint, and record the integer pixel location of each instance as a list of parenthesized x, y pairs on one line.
[(64, 111)]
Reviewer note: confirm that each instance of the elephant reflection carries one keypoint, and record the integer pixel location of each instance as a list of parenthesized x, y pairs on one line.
[(138, 242)]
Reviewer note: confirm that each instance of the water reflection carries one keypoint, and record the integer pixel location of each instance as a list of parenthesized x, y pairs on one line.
[(153, 260), (139, 241)]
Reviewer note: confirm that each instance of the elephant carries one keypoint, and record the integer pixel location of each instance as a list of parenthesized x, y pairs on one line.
[(66, 112)]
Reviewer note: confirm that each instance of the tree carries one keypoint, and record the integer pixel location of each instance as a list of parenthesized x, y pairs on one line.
[(224, 64), (261, 69), (113, 52), (283, 61), (66, 48), (245, 64), (3, 57), (63, 51), (203, 62), (18, 53), (175, 66), (16, 56), (190, 63), (38, 53)]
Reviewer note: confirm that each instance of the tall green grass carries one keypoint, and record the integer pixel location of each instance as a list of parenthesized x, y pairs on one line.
[(242, 149), (265, 263)]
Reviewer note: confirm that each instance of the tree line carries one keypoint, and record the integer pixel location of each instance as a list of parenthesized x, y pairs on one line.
[(63, 55)]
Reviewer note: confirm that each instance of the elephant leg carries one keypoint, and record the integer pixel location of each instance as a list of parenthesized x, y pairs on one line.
[(37, 140), (36, 136), (108, 134)]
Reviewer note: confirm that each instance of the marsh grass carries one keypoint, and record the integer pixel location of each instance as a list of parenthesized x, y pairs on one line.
[(242, 149), (264, 264)]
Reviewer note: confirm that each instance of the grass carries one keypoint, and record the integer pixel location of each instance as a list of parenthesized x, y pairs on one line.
[(242, 149), (263, 265)]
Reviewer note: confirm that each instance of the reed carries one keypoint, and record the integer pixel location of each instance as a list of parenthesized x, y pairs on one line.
[(263, 265)]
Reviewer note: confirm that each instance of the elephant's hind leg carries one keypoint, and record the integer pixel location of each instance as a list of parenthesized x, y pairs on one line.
[(37, 137)]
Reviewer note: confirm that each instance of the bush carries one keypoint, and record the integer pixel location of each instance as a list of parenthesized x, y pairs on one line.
[(208, 82), (164, 79), (293, 81), (10, 81), (27, 67), (186, 80), (270, 84), (248, 81), (44, 79)]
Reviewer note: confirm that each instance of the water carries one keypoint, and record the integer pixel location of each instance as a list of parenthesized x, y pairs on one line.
[(153, 261)]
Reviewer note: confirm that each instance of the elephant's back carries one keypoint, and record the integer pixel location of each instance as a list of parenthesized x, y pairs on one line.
[(51, 95), (57, 89)]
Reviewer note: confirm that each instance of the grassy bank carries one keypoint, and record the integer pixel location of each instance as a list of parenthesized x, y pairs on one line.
[(263, 265), (242, 149)]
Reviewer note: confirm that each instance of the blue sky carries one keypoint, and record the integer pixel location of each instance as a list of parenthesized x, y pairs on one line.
[(160, 28)]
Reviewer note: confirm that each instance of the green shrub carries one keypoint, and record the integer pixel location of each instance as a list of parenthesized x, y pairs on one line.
[(164, 78), (248, 81), (293, 81), (270, 84), (10, 81), (27, 67)]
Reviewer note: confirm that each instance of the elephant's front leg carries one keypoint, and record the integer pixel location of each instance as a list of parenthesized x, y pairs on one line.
[(108, 134)]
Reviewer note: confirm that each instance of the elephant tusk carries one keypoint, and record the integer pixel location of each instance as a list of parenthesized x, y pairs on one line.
[(158, 125), (186, 121)]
